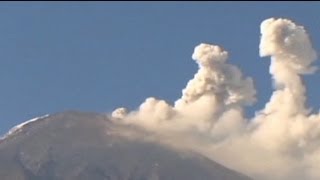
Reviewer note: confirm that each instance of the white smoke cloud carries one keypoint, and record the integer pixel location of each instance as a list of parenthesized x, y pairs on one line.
[(281, 142)]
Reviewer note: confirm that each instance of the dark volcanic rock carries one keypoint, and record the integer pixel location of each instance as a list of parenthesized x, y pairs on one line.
[(88, 146)]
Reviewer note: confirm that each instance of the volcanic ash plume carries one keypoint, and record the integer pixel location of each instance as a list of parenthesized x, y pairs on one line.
[(217, 90), (288, 129), (291, 56), (281, 142)]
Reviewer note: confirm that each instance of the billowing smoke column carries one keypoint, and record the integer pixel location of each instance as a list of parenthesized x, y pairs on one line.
[(281, 142), (291, 55), (217, 90)]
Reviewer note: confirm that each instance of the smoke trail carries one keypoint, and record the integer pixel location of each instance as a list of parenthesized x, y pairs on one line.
[(291, 56), (216, 88), (280, 142), (281, 137)]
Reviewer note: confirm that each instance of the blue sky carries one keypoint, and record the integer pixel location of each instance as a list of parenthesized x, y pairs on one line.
[(97, 56)]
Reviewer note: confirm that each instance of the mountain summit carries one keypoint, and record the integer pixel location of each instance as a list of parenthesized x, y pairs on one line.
[(77, 145)]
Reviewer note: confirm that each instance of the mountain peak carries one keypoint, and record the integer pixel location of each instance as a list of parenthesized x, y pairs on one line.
[(78, 145), (19, 127)]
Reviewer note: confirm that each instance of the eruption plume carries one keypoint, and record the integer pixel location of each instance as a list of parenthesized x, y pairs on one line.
[(281, 142)]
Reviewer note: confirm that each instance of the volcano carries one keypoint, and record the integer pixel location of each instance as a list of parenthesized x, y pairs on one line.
[(81, 145)]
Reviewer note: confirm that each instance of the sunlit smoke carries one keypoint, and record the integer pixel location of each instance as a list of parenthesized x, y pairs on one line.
[(281, 142)]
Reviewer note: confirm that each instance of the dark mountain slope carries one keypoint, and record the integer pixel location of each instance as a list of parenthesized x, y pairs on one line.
[(88, 146)]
